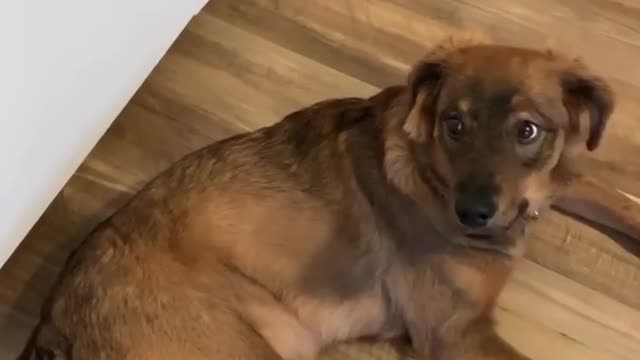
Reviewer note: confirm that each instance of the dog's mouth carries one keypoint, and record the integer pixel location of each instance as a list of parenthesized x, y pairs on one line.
[(488, 234), (480, 236), (492, 236)]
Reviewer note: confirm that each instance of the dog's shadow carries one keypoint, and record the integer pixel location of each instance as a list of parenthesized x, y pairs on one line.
[(629, 244)]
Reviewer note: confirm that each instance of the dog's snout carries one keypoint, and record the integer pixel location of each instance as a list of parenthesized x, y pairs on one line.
[(475, 203), (475, 213)]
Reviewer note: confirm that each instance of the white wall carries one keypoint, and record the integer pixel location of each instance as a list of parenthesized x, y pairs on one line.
[(67, 68)]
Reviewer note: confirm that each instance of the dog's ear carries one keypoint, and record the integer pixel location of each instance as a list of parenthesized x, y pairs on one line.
[(424, 82), (427, 76), (587, 93)]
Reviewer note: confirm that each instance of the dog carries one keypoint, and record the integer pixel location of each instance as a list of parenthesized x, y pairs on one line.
[(399, 216)]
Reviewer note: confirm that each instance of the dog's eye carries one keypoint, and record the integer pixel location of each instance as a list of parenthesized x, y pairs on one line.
[(454, 125), (527, 132)]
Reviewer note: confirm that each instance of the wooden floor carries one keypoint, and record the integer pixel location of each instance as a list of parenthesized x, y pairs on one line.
[(242, 64)]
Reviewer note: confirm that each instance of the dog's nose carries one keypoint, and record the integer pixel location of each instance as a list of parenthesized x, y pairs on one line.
[(475, 213)]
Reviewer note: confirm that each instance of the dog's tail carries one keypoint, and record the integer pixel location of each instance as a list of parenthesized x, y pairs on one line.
[(46, 342)]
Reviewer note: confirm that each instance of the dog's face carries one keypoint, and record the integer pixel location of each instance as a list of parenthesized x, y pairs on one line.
[(492, 127)]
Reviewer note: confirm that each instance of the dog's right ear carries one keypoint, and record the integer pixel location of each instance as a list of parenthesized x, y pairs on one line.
[(425, 80), (427, 76)]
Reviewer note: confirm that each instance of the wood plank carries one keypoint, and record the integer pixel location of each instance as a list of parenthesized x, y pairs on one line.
[(253, 73), (305, 39), (598, 259), (583, 323), (14, 329)]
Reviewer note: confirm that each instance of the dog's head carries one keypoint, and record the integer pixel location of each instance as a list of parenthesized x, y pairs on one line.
[(492, 129)]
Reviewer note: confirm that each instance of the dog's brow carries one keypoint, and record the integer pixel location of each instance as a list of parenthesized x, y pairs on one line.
[(492, 93), (503, 96), (464, 105), (545, 113)]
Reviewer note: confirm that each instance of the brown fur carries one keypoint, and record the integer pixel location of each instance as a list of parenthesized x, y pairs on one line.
[(334, 224)]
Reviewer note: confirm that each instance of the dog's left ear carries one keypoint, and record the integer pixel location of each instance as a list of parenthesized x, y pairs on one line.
[(585, 92)]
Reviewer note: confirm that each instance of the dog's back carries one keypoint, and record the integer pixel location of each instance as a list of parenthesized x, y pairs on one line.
[(148, 276)]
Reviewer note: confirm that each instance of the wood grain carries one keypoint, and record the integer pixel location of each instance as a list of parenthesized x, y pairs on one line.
[(243, 64)]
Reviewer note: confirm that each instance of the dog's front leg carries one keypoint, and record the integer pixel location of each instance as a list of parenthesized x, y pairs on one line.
[(443, 321), (479, 341), (462, 337), (428, 308)]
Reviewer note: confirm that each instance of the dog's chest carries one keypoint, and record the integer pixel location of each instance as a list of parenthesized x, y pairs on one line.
[(365, 314), (480, 278)]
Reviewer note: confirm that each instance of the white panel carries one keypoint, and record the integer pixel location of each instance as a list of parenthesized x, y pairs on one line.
[(67, 68)]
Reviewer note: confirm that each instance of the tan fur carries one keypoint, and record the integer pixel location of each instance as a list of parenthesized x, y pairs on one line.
[(483, 282), (333, 225)]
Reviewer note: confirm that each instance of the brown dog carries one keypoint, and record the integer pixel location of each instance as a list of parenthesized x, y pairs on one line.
[(401, 214)]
